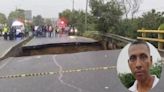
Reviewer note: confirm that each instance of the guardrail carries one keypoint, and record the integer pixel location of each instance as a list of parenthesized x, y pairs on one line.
[(160, 39), (113, 40), (119, 38), (126, 40)]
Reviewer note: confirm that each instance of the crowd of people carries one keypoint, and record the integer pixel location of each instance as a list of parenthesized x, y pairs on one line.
[(15, 32), (50, 31), (41, 31), (12, 33)]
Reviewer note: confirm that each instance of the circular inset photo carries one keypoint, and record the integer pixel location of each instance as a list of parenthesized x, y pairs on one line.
[(139, 66)]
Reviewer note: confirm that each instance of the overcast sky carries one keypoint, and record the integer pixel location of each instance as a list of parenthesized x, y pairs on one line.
[(51, 8)]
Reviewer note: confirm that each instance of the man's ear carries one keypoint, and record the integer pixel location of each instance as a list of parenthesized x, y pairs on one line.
[(128, 61)]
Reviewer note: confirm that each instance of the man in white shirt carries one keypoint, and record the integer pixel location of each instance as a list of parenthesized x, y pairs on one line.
[(140, 62)]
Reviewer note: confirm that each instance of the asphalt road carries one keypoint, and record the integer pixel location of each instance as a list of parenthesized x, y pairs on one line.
[(79, 72), (6, 45), (54, 40)]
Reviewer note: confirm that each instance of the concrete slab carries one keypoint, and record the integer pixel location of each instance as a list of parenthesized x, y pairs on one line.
[(59, 40)]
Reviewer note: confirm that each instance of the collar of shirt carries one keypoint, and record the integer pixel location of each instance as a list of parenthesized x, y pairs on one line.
[(134, 87)]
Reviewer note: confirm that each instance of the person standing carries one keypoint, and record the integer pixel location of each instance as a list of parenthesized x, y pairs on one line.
[(50, 30), (12, 33), (140, 62), (5, 32)]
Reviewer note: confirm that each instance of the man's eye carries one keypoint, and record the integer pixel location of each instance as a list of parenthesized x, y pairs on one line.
[(132, 58), (143, 56)]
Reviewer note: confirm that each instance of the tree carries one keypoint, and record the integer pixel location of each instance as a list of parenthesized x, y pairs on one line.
[(130, 6), (152, 19), (16, 15), (67, 14), (38, 20), (3, 19), (107, 13), (149, 20), (129, 27), (77, 19), (48, 21)]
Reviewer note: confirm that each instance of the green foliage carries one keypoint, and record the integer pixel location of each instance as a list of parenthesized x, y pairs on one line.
[(156, 70), (48, 21), (92, 34), (77, 19), (152, 20), (67, 14), (3, 19), (128, 79), (28, 27), (161, 27), (107, 14), (128, 28), (149, 21), (38, 20)]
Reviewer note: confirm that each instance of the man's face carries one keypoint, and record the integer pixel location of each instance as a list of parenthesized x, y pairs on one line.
[(139, 61)]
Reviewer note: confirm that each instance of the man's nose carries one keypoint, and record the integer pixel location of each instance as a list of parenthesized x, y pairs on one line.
[(138, 63)]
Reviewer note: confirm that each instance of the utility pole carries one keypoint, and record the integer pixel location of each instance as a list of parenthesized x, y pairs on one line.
[(72, 13), (73, 5), (86, 12)]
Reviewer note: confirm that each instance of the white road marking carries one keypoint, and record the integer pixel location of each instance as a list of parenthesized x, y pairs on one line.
[(38, 56), (106, 87), (61, 75)]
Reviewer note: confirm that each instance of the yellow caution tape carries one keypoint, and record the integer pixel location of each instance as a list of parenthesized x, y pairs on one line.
[(52, 73)]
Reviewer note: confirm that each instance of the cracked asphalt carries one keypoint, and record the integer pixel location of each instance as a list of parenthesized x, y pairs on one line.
[(93, 80), (81, 81), (63, 73)]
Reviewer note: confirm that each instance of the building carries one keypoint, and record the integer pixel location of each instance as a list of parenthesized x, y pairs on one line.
[(28, 16)]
